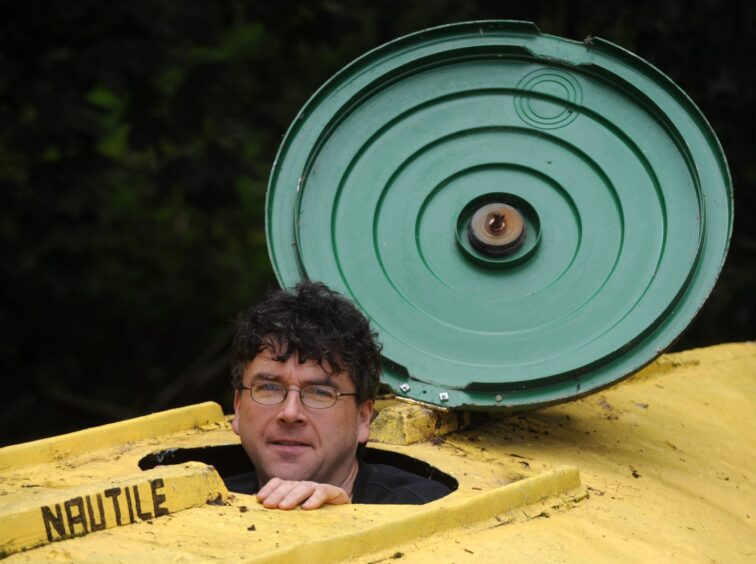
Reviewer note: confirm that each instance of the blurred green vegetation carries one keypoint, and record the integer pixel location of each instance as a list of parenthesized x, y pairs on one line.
[(135, 143)]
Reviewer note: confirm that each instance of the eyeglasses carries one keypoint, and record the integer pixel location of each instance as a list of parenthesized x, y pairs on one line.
[(315, 395)]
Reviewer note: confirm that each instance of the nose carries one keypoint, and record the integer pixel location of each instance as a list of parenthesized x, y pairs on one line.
[(292, 410)]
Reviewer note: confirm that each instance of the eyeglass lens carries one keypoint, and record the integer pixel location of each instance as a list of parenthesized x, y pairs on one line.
[(312, 396)]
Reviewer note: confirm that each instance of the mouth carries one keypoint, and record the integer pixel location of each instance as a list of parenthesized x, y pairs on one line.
[(289, 442), (288, 450), (289, 446)]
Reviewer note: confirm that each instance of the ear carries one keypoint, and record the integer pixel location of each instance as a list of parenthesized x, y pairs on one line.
[(237, 402), (364, 416)]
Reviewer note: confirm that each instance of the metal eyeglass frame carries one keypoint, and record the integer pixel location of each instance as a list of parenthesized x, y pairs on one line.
[(301, 397)]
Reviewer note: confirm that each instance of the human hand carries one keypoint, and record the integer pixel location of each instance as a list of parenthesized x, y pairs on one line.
[(288, 494)]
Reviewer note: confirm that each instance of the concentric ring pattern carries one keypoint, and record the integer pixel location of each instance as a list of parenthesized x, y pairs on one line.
[(624, 190)]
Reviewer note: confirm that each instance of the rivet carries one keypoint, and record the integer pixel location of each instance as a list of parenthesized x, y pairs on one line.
[(498, 397), (443, 396), (405, 387)]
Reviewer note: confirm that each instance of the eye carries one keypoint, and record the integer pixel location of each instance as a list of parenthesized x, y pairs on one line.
[(320, 392), (267, 388)]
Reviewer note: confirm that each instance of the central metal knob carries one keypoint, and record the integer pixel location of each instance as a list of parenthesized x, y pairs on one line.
[(497, 229), (496, 223)]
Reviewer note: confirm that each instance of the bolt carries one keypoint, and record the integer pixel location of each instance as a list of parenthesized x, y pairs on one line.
[(443, 396), (405, 388), (496, 223)]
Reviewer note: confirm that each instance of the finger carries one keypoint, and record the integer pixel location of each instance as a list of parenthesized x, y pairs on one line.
[(269, 488), (302, 492), (326, 494), (273, 498)]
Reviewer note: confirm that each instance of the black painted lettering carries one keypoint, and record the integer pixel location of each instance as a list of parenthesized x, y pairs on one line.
[(55, 520), (76, 519), (93, 524), (128, 505), (157, 498), (143, 515), (114, 493)]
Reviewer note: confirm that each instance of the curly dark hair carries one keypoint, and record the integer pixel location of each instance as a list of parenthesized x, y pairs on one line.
[(315, 323)]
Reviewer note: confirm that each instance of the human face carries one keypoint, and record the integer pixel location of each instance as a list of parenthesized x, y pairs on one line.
[(292, 441)]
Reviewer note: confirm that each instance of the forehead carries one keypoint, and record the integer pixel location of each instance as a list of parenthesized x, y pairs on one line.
[(291, 370)]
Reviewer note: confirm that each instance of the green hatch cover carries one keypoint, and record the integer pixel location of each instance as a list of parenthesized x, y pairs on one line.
[(524, 218)]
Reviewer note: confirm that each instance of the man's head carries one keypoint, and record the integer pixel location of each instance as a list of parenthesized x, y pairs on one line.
[(308, 336)]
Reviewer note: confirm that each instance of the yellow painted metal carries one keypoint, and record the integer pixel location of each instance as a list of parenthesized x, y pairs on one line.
[(58, 448), (667, 462), (434, 519), (58, 514), (406, 423)]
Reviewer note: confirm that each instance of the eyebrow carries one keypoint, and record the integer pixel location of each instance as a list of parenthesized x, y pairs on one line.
[(265, 376), (270, 377)]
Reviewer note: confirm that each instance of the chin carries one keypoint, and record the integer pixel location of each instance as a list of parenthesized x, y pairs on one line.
[(289, 473)]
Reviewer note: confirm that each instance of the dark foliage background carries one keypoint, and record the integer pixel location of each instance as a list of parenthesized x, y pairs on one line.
[(135, 144)]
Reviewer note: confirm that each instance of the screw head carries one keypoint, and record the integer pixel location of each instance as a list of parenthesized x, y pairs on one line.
[(443, 396), (498, 397), (405, 387)]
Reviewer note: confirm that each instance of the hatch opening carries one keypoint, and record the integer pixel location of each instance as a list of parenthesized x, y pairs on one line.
[(229, 460)]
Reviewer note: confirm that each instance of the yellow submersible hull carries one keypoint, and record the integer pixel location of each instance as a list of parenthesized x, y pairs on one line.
[(659, 468)]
